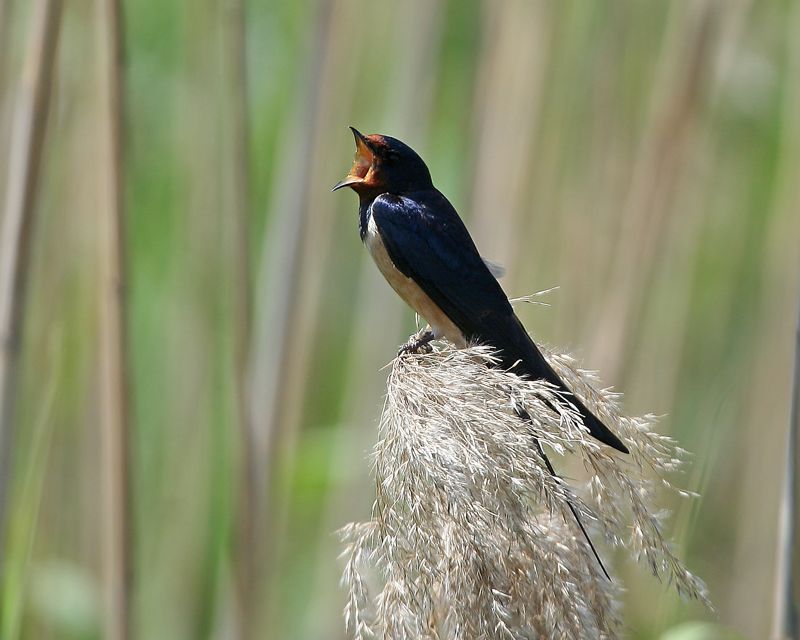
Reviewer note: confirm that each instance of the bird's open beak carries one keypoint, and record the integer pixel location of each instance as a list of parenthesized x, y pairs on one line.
[(361, 164)]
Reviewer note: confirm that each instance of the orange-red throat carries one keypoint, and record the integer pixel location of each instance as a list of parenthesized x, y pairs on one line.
[(362, 174)]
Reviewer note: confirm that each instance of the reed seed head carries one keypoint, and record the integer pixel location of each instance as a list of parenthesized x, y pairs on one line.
[(471, 536)]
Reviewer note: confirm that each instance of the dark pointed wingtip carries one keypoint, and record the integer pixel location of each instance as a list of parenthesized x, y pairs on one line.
[(600, 431), (613, 441)]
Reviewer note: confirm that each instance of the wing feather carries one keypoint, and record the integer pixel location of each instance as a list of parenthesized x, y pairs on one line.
[(427, 241)]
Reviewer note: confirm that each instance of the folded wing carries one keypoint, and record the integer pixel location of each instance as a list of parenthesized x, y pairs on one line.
[(427, 241)]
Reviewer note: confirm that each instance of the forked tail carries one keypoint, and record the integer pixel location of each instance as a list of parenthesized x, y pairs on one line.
[(522, 413)]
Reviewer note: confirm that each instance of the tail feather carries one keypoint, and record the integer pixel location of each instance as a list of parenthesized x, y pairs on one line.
[(574, 513), (525, 416)]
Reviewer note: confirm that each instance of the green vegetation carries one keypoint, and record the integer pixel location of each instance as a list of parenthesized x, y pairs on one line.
[(640, 155)]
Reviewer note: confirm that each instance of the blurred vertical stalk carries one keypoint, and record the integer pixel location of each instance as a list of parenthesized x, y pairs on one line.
[(4, 15), (282, 317), (787, 613), (5, 31), (507, 121), (679, 96), (27, 140), (113, 380), (5, 55), (786, 610), (376, 312), (238, 201)]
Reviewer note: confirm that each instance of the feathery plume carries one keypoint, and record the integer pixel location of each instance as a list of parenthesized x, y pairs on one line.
[(471, 536)]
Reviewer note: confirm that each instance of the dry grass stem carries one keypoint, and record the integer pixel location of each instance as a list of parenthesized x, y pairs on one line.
[(22, 188), (114, 401), (238, 206), (472, 537), (786, 620)]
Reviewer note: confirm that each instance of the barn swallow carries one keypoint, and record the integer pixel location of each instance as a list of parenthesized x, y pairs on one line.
[(425, 252)]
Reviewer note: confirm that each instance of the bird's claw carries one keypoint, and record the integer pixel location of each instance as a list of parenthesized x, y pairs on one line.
[(418, 343)]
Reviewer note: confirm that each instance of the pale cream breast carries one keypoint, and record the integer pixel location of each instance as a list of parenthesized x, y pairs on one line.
[(410, 291)]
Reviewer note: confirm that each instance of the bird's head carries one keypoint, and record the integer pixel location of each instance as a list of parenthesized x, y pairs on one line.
[(385, 165)]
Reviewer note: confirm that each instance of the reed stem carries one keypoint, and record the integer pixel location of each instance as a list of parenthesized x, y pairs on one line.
[(114, 401), (24, 172), (786, 623)]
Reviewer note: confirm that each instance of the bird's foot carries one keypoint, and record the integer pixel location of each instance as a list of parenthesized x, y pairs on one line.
[(418, 343)]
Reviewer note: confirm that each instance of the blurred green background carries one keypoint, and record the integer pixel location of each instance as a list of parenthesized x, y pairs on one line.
[(641, 156)]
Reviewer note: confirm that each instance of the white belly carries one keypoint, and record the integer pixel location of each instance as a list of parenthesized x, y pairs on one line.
[(410, 291)]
